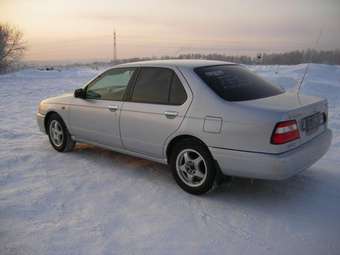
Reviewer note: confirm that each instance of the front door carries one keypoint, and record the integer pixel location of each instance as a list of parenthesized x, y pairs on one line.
[(155, 109), (96, 118)]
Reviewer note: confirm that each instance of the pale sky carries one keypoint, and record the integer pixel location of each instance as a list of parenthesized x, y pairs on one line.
[(79, 30)]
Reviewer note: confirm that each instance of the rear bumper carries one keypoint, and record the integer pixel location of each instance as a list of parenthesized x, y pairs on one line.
[(41, 122), (272, 166)]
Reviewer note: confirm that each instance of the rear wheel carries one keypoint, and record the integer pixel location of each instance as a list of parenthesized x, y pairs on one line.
[(58, 134), (193, 167)]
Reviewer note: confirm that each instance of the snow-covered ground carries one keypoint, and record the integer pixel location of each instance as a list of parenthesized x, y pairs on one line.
[(94, 201)]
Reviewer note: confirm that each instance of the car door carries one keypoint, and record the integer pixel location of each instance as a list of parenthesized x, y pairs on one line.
[(156, 106), (96, 118)]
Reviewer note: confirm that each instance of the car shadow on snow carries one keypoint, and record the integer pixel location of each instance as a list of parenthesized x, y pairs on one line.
[(308, 186), (309, 199), (127, 165), (312, 191)]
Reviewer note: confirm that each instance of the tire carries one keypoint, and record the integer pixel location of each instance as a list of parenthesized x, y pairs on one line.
[(193, 167), (58, 134)]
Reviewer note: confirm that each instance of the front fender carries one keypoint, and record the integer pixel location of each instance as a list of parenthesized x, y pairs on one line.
[(61, 109)]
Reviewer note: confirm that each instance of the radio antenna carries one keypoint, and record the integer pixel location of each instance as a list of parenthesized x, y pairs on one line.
[(307, 67)]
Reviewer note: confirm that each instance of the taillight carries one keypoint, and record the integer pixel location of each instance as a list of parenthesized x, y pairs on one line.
[(285, 131)]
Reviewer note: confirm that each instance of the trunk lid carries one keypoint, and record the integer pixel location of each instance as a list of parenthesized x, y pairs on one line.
[(306, 110)]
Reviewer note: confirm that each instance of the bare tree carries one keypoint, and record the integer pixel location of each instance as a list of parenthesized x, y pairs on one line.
[(11, 46)]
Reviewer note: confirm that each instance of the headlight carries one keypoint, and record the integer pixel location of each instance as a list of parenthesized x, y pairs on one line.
[(40, 108)]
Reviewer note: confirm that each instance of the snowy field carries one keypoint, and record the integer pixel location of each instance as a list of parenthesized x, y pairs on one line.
[(94, 201)]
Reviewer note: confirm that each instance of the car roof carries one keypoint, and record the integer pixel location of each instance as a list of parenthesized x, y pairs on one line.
[(191, 63)]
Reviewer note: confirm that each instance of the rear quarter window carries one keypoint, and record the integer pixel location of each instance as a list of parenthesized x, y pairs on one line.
[(236, 83), (177, 93)]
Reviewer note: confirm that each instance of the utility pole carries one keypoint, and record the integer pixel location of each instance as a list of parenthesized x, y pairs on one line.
[(114, 59)]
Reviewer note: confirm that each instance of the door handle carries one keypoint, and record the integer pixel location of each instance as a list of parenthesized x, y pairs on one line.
[(170, 114), (113, 108)]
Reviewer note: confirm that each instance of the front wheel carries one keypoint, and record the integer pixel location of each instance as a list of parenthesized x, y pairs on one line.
[(58, 134), (193, 167)]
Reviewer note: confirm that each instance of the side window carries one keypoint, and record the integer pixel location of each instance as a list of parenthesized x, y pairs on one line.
[(157, 85), (152, 85), (111, 85), (177, 93)]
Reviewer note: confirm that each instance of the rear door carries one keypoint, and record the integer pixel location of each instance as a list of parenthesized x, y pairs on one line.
[(155, 109), (96, 118)]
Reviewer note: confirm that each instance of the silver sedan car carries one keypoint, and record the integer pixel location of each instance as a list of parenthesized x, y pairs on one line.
[(206, 119)]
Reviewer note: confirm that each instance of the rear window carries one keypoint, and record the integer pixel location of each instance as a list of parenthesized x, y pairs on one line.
[(236, 83)]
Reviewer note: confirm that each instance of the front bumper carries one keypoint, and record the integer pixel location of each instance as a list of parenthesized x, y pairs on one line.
[(41, 122), (272, 166)]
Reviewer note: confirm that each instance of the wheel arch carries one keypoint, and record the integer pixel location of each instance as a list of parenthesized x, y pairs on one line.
[(176, 139), (220, 177), (47, 117)]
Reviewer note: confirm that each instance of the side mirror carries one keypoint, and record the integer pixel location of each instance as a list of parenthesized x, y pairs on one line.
[(79, 93)]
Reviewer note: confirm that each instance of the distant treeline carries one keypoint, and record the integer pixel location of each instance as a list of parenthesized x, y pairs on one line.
[(331, 57)]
